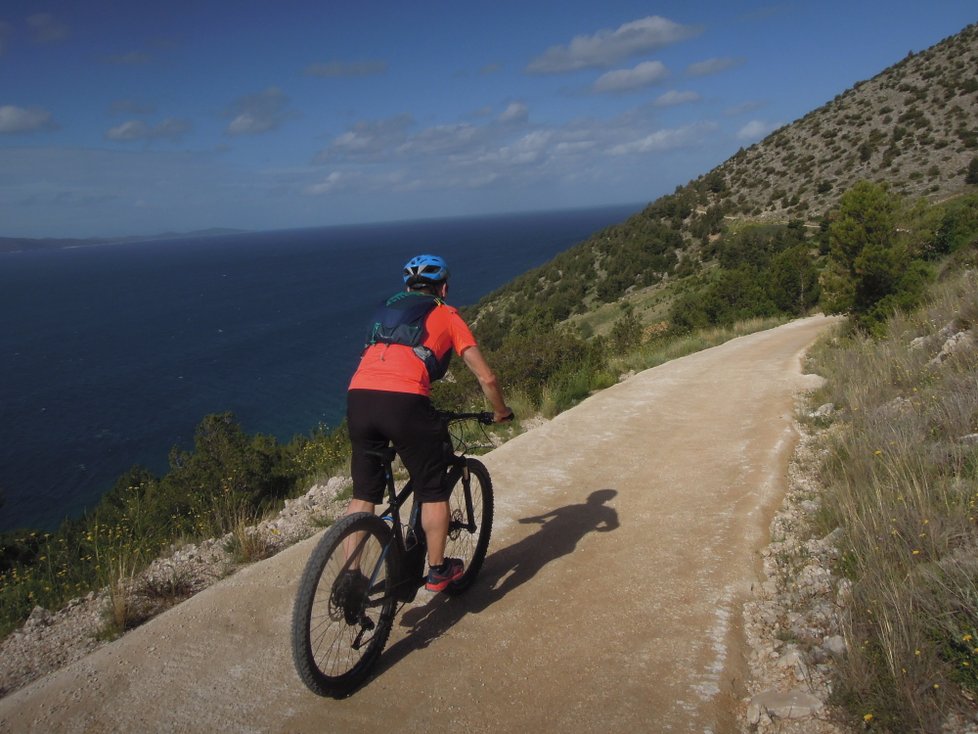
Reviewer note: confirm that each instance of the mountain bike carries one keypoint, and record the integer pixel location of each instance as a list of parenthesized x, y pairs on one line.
[(366, 565)]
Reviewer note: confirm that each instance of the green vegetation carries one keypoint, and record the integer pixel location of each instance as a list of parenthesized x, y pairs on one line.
[(872, 270), (764, 270), (901, 475), (228, 481)]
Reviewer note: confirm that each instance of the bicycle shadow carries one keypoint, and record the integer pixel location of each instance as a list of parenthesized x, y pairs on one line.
[(505, 570)]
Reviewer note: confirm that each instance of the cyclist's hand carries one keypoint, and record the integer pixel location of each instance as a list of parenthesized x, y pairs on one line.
[(507, 415)]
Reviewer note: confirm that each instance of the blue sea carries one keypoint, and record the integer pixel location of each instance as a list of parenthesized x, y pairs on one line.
[(111, 355)]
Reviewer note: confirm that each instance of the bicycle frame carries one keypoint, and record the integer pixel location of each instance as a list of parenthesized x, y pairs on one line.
[(404, 586), (366, 565)]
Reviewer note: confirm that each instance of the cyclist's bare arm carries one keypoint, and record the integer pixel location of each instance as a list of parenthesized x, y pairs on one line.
[(487, 380)]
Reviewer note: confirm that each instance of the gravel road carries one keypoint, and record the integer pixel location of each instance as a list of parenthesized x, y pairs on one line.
[(626, 540)]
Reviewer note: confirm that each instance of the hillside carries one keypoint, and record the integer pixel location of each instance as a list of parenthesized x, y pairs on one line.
[(913, 127)]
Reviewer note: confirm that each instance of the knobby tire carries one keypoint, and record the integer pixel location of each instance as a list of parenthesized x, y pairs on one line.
[(338, 634), (469, 544)]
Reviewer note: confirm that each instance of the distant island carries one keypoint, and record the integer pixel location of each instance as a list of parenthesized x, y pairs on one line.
[(25, 244)]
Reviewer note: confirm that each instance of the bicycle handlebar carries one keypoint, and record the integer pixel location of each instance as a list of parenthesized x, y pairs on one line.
[(487, 418)]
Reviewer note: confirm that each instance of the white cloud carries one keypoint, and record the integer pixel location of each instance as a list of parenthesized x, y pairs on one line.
[(330, 184), (672, 98), (515, 112), (607, 47), (258, 113), (488, 154), (755, 130), (624, 80), (368, 140), (441, 140), (333, 69), (170, 128), (663, 140), (47, 28), (20, 120), (528, 149), (574, 147), (712, 66)]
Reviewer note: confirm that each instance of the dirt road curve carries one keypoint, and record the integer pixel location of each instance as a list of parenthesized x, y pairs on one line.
[(626, 539)]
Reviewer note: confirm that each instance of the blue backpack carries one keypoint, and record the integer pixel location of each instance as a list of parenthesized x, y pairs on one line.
[(400, 320)]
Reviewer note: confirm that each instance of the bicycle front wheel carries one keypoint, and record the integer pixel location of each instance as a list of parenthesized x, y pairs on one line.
[(470, 524), (345, 607)]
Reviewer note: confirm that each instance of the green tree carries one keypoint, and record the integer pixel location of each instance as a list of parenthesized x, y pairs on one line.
[(688, 313), (626, 332), (228, 471), (866, 219), (972, 176), (871, 270), (793, 280), (736, 295)]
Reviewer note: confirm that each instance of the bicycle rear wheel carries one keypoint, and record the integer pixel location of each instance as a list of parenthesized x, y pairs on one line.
[(344, 608), (470, 524)]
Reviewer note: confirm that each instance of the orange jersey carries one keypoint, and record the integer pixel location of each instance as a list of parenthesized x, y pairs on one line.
[(396, 368)]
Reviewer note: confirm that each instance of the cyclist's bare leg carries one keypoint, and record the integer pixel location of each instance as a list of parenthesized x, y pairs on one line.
[(352, 542), (360, 506), (434, 520)]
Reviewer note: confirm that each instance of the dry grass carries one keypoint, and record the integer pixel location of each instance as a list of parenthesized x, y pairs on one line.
[(247, 543), (121, 614), (901, 468)]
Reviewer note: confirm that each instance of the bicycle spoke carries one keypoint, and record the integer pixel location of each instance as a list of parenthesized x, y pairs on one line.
[(344, 610), (470, 523)]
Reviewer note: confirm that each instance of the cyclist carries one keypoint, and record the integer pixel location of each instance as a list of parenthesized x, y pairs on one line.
[(409, 346)]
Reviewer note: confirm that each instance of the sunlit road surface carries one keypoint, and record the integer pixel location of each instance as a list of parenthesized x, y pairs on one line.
[(626, 540)]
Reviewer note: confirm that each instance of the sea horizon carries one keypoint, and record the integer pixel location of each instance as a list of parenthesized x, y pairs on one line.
[(113, 354), (207, 232)]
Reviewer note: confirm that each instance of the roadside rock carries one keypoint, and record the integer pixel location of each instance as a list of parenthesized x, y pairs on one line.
[(956, 340), (777, 705), (790, 682)]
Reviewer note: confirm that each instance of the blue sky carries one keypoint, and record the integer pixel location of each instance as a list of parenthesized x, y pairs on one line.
[(136, 118)]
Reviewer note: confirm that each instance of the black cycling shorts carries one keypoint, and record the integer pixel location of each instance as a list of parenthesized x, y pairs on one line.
[(377, 419)]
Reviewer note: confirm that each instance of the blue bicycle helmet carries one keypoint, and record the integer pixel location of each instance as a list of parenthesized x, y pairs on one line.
[(429, 268)]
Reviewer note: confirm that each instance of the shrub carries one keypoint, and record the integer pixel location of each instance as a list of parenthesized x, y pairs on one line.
[(971, 177)]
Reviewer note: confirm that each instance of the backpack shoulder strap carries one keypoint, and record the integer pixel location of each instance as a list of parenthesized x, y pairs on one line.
[(400, 319)]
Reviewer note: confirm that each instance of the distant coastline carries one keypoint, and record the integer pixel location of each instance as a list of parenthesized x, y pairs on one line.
[(29, 244)]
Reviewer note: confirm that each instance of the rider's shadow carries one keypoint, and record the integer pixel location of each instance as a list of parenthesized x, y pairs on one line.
[(505, 570)]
